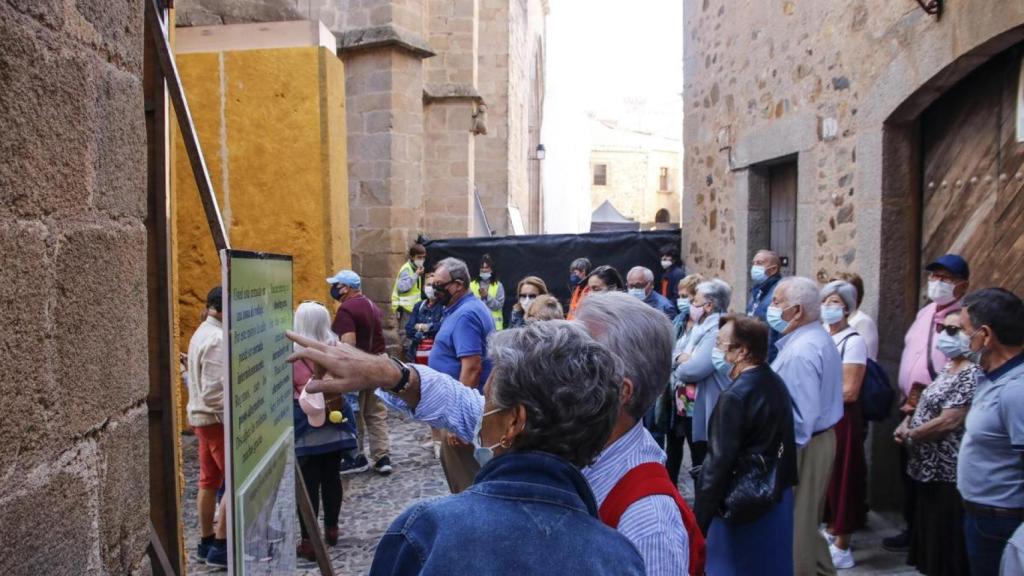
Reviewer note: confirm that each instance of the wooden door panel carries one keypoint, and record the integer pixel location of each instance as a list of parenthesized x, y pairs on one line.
[(782, 208), (972, 199)]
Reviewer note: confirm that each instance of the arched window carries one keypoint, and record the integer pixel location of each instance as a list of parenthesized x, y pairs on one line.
[(661, 216)]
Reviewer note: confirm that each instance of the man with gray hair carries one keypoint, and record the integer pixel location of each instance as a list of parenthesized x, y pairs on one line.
[(640, 284), (460, 351), (810, 365), (628, 479)]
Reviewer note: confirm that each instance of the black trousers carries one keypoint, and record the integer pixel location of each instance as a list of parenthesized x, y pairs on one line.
[(909, 493), (321, 473), (682, 431)]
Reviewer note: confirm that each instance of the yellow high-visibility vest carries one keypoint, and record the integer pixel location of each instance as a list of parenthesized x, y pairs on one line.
[(407, 300), (492, 291)]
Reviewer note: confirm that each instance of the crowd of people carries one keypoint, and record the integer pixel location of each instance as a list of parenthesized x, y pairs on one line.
[(562, 433)]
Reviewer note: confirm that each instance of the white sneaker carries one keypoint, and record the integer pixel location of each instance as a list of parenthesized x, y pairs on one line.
[(830, 538), (842, 559)]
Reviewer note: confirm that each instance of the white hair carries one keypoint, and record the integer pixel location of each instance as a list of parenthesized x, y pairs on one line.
[(846, 292), (456, 268), (717, 291), (648, 275), (639, 335), (802, 291), (312, 320)]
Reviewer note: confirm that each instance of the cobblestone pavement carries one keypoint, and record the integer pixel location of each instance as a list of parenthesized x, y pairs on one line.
[(371, 502)]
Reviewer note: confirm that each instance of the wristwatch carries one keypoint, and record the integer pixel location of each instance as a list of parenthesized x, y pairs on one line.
[(404, 380)]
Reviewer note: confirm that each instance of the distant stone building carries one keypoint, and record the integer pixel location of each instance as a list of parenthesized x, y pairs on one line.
[(418, 76), (637, 172), (864, 135), (74, 435)]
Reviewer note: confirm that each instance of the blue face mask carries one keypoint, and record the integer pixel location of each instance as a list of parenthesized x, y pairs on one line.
[(723, 366), (774, 318), (757, 274), (832, 314), (483, 454), (684, 305), (575, 279), (336, 291), (637, 293)]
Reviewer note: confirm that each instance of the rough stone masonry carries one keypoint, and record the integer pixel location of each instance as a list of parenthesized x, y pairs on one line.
[(74, 495)]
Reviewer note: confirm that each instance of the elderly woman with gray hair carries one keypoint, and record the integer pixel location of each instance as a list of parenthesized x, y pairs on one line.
[(844, 503), (548, 409), (693, 366)]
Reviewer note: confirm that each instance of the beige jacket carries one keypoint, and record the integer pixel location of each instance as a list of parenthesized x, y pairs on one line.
[(206, 372)]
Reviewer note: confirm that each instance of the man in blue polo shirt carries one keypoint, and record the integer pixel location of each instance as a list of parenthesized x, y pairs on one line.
[(990, 469), (460, 351)]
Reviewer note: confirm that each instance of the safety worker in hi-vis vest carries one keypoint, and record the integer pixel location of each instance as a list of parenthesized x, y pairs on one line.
[(408, 291)]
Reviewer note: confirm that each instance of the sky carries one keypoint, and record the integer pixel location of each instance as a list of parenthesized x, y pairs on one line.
[(618, 59)]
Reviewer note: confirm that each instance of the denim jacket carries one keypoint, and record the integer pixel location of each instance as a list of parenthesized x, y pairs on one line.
[(757, 305), (526, 513)]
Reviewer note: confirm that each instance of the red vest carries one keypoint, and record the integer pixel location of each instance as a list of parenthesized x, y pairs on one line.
[(652, 479)]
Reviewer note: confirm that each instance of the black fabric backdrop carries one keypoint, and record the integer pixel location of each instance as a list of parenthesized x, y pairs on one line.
[(549, 256)]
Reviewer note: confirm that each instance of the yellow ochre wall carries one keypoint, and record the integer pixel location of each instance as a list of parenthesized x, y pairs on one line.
[(271, 124)]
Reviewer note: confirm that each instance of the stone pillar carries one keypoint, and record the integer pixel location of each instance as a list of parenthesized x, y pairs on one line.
[(450, 100), (384, 78), (74, 433), (492, 155)]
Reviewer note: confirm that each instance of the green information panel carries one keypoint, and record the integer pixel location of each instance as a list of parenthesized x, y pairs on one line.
[(260, 442)]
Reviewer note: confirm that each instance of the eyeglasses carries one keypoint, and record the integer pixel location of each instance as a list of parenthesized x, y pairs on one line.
[(638, 286), (949, 330), (442, 286)]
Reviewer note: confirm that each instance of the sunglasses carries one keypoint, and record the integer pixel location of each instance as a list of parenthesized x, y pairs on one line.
[(949, 330)]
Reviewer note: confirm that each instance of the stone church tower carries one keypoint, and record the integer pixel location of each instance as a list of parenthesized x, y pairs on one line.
[(444, 106)]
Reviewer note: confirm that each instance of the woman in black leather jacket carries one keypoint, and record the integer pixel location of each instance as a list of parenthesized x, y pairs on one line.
[(752, 424)]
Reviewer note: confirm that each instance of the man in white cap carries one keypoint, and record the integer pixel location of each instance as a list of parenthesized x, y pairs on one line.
[(359, 322)]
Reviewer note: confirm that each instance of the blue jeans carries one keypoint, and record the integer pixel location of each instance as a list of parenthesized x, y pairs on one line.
[(986, 537)]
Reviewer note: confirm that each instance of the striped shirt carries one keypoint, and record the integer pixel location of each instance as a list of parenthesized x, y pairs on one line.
[(653, 524)]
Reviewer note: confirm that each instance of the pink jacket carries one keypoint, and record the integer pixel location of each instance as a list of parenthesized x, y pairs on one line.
[(914, 363)]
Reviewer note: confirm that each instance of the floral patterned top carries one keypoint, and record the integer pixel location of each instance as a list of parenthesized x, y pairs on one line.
[(935, 460)]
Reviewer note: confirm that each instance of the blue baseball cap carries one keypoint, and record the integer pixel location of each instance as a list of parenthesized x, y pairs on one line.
[(346, 277), (954, 263)]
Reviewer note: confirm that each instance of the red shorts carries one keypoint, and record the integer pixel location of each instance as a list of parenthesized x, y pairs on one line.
[(211, 456)]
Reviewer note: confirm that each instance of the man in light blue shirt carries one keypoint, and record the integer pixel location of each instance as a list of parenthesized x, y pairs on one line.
[(640, 336), (810, 365), (990, 467)]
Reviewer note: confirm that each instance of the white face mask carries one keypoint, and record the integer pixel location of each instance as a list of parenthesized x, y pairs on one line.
[(485, 275), (666, 263), (419, 262), (525, 302), (429, 292), (637, 293), (483, 454), (940, 292)]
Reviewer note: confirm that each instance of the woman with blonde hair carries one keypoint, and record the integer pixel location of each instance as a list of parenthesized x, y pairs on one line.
[(528, 290), (545, 307), (320, 436)]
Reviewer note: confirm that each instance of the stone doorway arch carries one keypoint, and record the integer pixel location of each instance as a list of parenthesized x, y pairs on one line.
[(889, 178)]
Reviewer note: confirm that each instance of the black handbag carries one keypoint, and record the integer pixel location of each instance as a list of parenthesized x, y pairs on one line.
[(754, 488)]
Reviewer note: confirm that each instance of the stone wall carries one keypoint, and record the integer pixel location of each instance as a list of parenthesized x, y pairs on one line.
[(74, 441), (633, 182), (773, 79)]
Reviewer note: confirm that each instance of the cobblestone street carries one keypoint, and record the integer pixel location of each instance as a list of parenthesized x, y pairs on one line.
[(372, 502)]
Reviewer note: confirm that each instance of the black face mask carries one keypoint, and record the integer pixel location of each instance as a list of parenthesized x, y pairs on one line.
[(442, 295), (336, 291)]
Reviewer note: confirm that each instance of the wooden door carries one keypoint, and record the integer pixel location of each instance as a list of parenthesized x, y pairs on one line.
[(782, 183), (972, 198)]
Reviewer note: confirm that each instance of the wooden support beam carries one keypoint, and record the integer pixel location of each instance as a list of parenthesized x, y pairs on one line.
[(308, 519), (169, 70), (164, 450)]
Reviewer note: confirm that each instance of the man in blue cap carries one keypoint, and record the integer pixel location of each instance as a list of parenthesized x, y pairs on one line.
[(948, 280), (359, 322)]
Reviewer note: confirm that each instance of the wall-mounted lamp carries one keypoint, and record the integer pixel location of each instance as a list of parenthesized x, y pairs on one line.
[(540, 152)]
